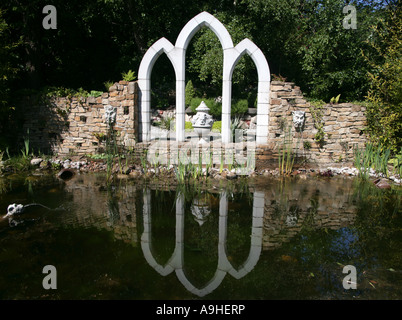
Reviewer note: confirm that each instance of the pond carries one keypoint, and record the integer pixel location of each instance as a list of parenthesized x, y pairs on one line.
[(265, 238)]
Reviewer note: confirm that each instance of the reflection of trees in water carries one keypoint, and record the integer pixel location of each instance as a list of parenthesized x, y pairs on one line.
[(379, 223)]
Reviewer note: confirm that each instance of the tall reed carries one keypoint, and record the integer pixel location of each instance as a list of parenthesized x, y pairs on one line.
[(374, 157), (286, 155)]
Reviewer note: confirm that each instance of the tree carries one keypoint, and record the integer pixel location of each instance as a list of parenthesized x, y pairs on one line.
[(205, 57), (7, 71), (385, 94)]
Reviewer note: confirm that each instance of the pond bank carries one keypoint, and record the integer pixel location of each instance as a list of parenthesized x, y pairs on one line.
[(67, 168)]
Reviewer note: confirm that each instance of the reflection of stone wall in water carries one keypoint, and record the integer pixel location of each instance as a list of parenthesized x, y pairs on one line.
[(96, 207), (289, 207), (314, 204)]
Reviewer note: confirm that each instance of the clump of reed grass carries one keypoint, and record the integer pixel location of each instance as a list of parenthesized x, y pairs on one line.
[(286, 155), (374, 157)]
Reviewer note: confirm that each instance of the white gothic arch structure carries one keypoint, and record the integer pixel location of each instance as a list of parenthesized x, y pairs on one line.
[(177, 56)]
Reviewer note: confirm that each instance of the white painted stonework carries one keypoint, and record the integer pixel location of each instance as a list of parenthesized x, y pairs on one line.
[(177, 56)]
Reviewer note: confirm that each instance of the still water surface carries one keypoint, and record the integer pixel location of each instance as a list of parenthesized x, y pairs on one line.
[(266, 239)]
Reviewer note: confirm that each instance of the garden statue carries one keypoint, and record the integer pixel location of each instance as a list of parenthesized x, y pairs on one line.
[(110, 115), (298, 119), (202, 121), (15, 210)]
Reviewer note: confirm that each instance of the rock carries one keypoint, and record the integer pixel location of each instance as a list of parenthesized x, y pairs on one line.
[(231, 176), (36, 161), (327, 173), (44, 165), (121, 176), (67, 164), (218, 177), (134, 174), (382, 184)]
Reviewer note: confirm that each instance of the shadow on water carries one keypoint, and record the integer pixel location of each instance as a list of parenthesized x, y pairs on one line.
[(262, 239)]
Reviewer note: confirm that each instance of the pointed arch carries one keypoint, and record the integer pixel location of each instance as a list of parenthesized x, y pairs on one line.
[(144, 82), (231, 55), (199, 21)]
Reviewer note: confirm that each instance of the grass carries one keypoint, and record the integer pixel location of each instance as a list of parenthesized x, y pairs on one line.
[(371, 157)]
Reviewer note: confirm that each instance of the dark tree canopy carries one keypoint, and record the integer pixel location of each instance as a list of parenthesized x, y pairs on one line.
[(97, 40)]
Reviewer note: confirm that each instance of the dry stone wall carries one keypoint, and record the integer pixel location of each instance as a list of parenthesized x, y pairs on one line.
[(76, 126), (342, 126)]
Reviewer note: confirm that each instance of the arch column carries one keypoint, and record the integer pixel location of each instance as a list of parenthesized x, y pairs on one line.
[(231, 55)]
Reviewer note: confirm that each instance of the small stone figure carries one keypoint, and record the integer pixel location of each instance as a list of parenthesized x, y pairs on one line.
[(202, 118), (110, 115), (298, 119), (202, 122), (13, 209)]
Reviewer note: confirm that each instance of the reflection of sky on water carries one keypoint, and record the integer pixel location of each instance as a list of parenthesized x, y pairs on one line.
[(344, 244)]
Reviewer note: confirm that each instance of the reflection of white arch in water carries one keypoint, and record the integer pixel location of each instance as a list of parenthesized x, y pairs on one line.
[(176, 261), (177, 56)]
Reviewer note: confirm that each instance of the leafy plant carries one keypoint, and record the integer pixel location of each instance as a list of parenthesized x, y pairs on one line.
[(217, 126), (239, 107), (25, 150), (95, 93), (307, 145), (375, 157), (188, 126), (316, 110), (107, 85), (397, 163), (383, 54), (129, 75), (167, 123), (335, 100)]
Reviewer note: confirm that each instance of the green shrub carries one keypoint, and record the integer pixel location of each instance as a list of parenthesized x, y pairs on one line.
[(195, 102), (239, 107), (190, 92), (217, 126), (188, 126), (95, 93), (215, 108)]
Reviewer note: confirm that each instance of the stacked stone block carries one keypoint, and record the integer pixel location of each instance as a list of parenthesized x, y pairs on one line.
[(343, 126), (76, 126)]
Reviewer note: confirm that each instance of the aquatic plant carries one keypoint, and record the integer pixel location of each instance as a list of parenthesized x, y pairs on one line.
[(286, 155), (143, 160), (25, 150), (371, 157)]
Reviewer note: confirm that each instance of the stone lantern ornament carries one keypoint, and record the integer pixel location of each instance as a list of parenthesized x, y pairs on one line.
[(202, 122)]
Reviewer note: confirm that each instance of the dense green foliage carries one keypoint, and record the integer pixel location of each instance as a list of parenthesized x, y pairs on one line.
[(384, 110), (98, 42)]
